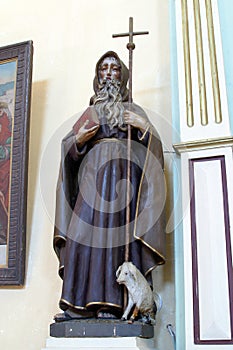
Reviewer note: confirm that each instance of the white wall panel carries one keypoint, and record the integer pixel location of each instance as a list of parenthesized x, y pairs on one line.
[(213, 285)]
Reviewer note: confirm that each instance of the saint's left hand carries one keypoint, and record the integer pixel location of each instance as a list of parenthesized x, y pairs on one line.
[(135, 120)]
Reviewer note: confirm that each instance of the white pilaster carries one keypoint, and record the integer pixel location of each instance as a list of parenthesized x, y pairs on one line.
[(205, 150)]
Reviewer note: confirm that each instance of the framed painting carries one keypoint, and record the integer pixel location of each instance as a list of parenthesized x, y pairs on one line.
[(15, 93)]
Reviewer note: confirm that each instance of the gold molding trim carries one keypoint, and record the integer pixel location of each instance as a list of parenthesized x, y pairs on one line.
[(200, 63), (213, 62), (187, 64), (203, 144)]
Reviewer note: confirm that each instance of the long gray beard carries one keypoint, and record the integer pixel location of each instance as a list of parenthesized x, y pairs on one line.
[(108, 103)]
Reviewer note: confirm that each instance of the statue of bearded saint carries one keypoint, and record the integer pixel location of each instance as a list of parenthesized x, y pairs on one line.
[(90, 223)]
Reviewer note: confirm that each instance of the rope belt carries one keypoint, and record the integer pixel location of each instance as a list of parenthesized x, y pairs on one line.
[(112, 139)]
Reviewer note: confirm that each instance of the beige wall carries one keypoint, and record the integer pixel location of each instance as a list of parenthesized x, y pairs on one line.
[(69, 36)]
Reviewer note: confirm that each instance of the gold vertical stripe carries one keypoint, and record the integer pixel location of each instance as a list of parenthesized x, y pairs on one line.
[(213, 62), (200, 63), (187, 65)]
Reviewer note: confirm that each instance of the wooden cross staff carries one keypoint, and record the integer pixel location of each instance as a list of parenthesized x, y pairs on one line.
[(130, 46)]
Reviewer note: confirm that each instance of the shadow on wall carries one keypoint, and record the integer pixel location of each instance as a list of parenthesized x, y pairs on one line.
[(37, 118)]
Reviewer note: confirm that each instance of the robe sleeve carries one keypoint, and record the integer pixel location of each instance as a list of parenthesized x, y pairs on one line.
[(149, 226), (67, 188), (66, 193)]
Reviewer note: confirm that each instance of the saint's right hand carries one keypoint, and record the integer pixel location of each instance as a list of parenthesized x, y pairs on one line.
[(84, 134)]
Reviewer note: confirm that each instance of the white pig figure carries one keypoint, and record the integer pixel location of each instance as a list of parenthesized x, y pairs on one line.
[(139, 293)]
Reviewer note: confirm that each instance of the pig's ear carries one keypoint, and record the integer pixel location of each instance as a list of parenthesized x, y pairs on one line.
[(118, 271)]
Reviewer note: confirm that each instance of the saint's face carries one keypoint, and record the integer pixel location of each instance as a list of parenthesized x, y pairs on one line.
[(109, 69)]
